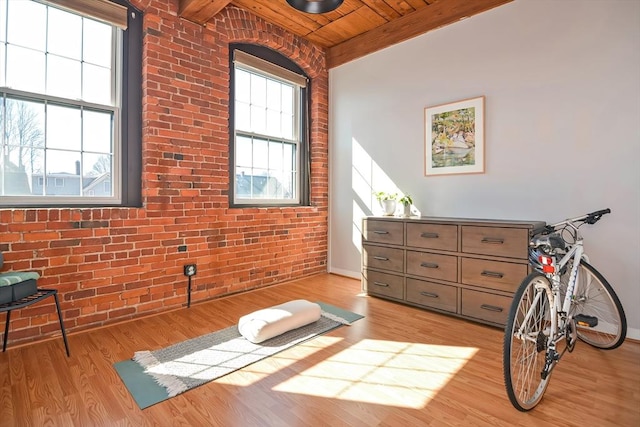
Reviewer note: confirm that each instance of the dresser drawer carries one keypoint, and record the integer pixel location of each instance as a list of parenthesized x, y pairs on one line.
[(433, 266), (383, 257), (433, 295), (506, 242), (388, 285), (485, 306), (504, 276), (379, 231), (432, 236)]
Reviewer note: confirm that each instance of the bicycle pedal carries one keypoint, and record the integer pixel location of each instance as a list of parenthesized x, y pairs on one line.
[(587, 321)]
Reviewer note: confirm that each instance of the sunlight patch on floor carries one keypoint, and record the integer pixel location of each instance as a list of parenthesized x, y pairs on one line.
[(382, 372), (259, 370)]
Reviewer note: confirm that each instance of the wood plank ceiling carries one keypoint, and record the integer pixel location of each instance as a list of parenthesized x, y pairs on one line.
[(357, 27)]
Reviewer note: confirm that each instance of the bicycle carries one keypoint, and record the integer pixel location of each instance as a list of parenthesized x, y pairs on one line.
[(564, 298)]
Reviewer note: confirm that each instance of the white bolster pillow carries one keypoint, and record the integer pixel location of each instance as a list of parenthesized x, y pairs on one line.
[(270, 322)]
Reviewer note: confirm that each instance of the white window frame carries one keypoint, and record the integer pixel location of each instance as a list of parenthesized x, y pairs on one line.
[(268, 70), (116, 16)]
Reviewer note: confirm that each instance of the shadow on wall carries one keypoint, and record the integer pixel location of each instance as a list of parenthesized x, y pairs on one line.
[(369, 178)]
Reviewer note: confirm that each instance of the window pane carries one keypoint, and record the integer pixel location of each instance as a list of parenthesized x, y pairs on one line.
[(260, 154), (3, 20), (273, 123), (96, 84), (62, 173), (275, 156), (25, 69), (243, 182), (97, 131), (243, 86), (27, 24), (63, 77), (259, 184), (258, 90), (243, 116), (2, 68), (243, 151), (96, 177), (96, 164), (97, 43), (63, 128), (64, 35), (287, 99), (24, 124), (273, 95), (18, 179), (289, 157), (258, 119), (287, 126)]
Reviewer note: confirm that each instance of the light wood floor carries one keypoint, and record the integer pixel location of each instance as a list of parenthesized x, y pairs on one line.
[(399, 366)]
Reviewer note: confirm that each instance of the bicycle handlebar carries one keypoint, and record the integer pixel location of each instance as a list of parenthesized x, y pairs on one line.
[(590, 218), (594, 217)]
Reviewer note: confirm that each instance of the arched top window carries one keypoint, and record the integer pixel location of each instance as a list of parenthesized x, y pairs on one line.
[(269, 131)]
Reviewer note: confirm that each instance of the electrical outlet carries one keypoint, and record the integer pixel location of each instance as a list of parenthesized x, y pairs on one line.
[(190, 270)]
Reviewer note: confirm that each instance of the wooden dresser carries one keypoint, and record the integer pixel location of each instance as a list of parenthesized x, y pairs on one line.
[(464, 267)]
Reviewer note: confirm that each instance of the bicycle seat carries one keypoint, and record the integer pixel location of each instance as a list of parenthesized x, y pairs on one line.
[(549, 242)]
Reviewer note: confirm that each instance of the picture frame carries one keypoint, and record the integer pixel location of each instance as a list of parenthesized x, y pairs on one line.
[(454, 138)]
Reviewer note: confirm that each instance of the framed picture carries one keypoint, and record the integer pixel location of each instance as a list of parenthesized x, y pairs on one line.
[(454, 138)]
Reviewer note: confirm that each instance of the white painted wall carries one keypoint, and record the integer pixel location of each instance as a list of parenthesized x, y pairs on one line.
[(562, 127)]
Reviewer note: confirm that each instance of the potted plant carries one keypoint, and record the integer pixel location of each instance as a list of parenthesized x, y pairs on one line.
[(406, 201), (387, 202)]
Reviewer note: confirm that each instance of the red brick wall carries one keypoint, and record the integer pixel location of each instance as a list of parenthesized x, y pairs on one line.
[(115, 264)]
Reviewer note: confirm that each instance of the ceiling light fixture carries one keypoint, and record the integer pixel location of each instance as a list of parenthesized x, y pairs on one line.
[(315, 6)]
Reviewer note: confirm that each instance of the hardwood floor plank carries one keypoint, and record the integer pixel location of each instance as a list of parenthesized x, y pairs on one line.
[(398, 366)]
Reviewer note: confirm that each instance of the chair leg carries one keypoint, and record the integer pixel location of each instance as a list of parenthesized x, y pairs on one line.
[(6, 331), (64, 334)]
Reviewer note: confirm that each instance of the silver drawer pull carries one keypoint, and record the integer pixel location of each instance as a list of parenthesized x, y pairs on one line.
[(384, 285), (380, 258), (492, 240), (429, 294), (428, 265), (429, 235), (380, 232), (492, 274), (491, 308)]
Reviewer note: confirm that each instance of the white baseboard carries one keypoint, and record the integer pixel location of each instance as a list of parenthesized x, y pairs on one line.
[(633, 333), (347, 273)]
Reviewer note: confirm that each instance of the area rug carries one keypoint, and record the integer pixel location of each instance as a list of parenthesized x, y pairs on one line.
[(154, 376)]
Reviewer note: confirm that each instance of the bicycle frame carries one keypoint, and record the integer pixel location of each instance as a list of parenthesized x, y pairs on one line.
[(558, 312)]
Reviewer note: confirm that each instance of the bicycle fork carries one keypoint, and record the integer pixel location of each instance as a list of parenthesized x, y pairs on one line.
[(548, 340), (558, 329)]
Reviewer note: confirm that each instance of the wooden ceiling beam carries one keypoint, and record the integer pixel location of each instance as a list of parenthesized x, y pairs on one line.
[(200, 11), (436, 15)]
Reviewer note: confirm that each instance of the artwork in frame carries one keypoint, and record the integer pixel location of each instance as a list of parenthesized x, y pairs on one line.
[(454, 137)]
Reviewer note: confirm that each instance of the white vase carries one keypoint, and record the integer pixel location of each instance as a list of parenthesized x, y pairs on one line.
[(407, 210), (388, 207)]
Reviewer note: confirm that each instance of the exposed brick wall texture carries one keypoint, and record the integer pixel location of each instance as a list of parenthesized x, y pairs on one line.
[(115, 264)]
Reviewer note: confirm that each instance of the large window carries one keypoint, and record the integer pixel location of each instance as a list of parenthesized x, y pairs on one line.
[(66, 126), (269, 132)]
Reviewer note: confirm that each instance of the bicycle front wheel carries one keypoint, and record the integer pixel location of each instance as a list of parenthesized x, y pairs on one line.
[(594, 298), (525, 343)]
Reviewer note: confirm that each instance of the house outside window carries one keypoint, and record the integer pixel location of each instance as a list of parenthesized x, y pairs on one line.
[(269, 141), (62, 73)]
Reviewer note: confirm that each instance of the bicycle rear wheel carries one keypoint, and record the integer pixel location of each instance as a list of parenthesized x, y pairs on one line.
[(525, 343), (594, 297)]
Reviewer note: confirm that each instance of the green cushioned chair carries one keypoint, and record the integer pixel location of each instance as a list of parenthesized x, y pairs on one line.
[(19, 289), (15, 285)]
